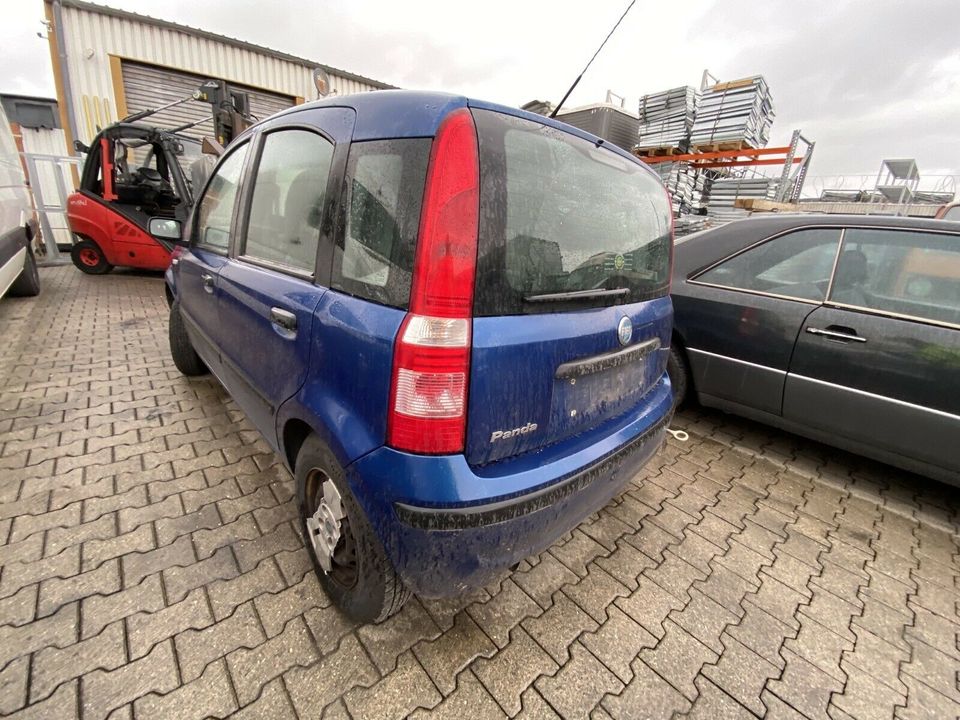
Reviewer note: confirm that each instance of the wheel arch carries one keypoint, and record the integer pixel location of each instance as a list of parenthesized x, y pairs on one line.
[(678, 342), (294, 434)]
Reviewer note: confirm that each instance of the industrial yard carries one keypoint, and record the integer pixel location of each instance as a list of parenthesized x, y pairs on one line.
[(195, 526)]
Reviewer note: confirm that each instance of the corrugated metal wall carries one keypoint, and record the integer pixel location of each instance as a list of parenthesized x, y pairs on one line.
[(148, 87), (91, 38)]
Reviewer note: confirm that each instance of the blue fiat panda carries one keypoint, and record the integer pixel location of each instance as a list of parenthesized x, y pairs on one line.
[(451, 320)]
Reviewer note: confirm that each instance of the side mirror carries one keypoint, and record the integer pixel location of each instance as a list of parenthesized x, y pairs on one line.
[(165, 229), (80, 147)]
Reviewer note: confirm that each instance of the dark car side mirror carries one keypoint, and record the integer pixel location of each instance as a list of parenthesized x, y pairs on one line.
[(166, 229)]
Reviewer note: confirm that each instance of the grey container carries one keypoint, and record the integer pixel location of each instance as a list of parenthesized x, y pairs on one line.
[(611, 122)]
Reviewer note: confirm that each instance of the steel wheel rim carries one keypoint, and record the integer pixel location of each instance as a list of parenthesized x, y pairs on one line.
[(344, 566)]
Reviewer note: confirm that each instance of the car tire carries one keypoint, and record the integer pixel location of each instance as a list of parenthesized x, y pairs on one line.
[(181, 349), (679, 373), (89, 258), (27, 283), (361, 580)]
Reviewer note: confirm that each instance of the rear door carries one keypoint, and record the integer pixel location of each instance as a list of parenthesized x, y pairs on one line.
[(280, 269), (571, 317), (200, 265), (740, 318), (880, 365)]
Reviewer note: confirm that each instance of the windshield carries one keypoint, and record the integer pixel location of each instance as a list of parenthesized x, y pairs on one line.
[(563, 220)]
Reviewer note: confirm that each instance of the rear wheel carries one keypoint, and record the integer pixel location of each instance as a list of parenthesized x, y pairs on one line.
[(347, 555), (27, 283), (181, 349), (89, 258), (679, 373)]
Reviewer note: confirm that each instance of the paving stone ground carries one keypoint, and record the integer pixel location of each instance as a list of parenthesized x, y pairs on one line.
[(151, 565)]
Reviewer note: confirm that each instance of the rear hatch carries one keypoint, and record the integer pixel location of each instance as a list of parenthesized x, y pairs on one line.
[(571, 313)]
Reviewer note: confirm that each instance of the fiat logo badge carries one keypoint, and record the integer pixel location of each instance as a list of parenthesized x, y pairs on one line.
[(625, 330)]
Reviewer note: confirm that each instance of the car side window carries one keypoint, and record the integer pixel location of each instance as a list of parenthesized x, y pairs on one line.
[(215, 210), (794, 265), (384, 189), (286, 208), (916, 274)]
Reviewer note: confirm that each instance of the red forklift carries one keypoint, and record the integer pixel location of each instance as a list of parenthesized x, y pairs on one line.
[(137, 178)]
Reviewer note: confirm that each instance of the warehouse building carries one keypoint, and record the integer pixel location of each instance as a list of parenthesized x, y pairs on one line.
[(110, 63)]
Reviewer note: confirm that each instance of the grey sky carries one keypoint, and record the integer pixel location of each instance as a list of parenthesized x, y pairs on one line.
[(866, 79)]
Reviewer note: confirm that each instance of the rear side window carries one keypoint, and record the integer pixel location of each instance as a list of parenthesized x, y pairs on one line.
[(794, 265), (916, 274), (559, 215), (384, 190)]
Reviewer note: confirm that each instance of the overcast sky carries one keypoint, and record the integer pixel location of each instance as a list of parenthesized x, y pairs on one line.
[(866, 79)]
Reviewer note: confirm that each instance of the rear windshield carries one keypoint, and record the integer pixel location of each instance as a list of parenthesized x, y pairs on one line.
[(562, 220)]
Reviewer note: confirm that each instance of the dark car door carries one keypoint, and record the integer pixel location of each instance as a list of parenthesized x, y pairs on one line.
[(200, 264), (280, 267), (880, 364), (740, 318)]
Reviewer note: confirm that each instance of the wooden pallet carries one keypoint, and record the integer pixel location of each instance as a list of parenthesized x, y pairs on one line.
[(666, 150), (722, 146)]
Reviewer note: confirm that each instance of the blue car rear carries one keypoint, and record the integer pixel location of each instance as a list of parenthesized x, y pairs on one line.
[(465, 360)]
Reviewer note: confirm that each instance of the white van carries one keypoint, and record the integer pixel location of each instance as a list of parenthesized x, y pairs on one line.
[(18, 266)]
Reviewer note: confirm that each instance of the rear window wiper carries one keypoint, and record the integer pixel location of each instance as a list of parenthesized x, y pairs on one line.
[(576, 295)]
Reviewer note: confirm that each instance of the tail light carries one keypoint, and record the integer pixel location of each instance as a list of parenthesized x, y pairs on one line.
[(431, 359)]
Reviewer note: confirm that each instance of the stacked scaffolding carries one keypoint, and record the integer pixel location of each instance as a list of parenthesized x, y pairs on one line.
[(667, 117), (734, 114), (724, 193)]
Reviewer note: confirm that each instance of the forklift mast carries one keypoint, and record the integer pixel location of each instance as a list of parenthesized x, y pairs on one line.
[(231, 109)]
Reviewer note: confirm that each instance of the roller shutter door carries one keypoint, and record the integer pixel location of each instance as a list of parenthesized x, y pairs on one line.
[(148, 86)]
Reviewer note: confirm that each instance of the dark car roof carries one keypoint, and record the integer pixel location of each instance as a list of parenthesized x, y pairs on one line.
[(703, 248)]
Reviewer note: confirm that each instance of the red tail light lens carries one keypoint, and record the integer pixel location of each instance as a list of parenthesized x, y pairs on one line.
[(431, 360)]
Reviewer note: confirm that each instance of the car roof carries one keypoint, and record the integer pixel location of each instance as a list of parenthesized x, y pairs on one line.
[(389, 114), (708, 246)]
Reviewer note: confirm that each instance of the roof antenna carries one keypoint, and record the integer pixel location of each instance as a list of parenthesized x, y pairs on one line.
[(575, 82)]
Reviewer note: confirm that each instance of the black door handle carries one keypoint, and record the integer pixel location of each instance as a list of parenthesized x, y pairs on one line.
[(207, 281), (283, 318), (836, 332)]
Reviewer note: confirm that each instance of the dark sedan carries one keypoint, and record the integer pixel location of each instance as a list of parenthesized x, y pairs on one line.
[(845, 329)]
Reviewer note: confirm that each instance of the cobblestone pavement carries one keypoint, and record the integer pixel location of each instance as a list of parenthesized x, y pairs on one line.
[(152, 565)]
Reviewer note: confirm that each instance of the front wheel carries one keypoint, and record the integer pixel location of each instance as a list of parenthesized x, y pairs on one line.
[(89, 258), (347, 556), (181, 349)]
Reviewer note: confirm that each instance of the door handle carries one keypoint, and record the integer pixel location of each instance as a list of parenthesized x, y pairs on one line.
[(283, 319), (842, 336), (207, 280)]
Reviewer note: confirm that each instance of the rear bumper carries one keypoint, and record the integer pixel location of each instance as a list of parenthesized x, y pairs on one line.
[(445, 548)]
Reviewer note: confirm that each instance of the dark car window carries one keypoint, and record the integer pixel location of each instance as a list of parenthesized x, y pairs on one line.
[(795, 265), (907, 273), (287, 202), (558, 214), (215, 211), (384, 192)]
